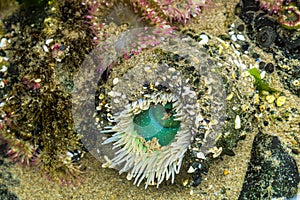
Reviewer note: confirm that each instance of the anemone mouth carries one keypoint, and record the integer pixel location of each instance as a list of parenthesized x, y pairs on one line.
[(149, 158), (158, 122)]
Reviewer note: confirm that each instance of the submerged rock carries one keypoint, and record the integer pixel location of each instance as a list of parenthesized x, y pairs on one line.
[(272, 172)]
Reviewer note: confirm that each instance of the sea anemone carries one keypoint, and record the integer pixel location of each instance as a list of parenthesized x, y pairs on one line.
[(151, 139), (151, 110), (290, 16), (150, 149), (165, 15)]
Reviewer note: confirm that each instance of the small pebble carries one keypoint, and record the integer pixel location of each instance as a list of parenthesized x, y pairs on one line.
[(111, 93), (245, 47), (255, 55), (296, 83), (115, 81), (98, 108), (241, 27), (176, 57), (147, 69), (2, 53), (266, 123), (204, 39), (269, 68), (191, 69), (233, 38), (191, 192), (201, 155), (230, 96), (62, 47), (185, 182), (256, 98), (45, 48), (237, 122), (241, 37), (217, 151), (101, 96), (280, 101), (262, 108), (231, 32), (261, 65), (244, 107), (226, 172), (48, 41), (116, 101), (172, 69), (3, 42), (263, 74), (191, 170), (3, 69), (270, 98)]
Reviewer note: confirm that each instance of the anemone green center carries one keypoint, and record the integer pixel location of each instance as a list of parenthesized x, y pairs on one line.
[(157, 122)]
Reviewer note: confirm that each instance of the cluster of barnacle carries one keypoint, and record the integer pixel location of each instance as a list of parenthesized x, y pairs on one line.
[(36, 118)]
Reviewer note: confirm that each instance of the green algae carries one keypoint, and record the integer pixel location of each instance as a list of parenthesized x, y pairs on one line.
[(259, 83)]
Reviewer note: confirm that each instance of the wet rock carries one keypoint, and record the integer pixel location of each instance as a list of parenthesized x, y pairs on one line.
[(272, 172)]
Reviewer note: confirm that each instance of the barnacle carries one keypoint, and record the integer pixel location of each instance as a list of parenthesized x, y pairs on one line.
[(175, 86)]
